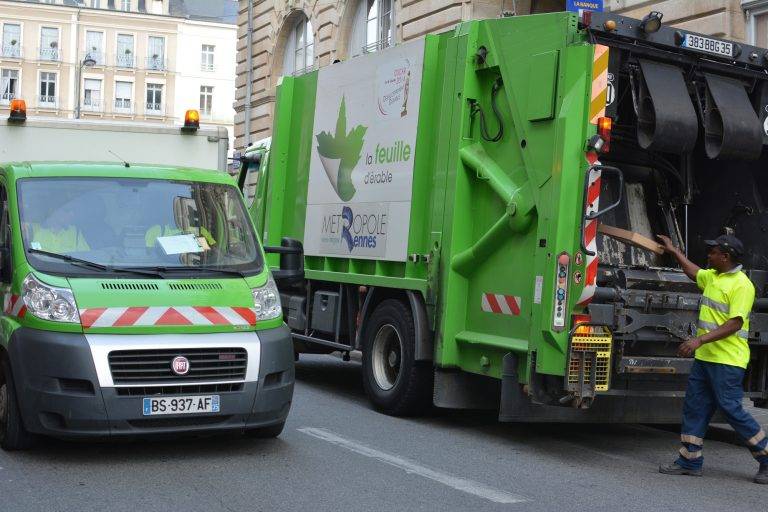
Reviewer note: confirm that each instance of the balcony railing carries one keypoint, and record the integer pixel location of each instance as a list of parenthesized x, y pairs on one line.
[(96, 55), (11, 51), (207, 67), (377, 45), (91, 105), (47, 101), (154, 109), (6, 97), (156, 64), (125, 60), (49, 54), (123, 106)]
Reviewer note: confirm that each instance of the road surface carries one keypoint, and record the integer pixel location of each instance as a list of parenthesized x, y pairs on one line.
[(337, 454)]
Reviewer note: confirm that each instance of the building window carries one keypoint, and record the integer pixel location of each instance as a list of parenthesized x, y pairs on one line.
[(761, 30), (49, 43), (371, 27), (156, 53), (378, 33), (125, 5), (95, 4), (207, 57), (757, 22), (9, 85), (124, 57), (123, 97), (92, 95), (94, 46), (11, 40), (206, 100), (47, 96), (154, 99), (299, 54)]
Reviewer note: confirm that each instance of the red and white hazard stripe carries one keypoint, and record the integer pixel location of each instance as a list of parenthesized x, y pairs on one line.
[(590, 231), (501, 304), (13, 305), (166, 316)]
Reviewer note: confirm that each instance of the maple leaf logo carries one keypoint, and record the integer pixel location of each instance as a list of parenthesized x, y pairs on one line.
[(339, 153)]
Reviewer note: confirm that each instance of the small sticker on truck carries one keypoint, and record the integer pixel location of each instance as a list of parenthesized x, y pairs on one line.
[(501, 304)]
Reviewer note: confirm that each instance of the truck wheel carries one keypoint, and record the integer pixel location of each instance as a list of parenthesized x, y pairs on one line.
[(13, 435), (266, 432), (395, 382)]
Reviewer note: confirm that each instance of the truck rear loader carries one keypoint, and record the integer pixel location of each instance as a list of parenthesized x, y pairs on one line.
[(436, 205)]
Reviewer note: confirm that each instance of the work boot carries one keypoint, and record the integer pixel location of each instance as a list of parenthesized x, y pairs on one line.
[(762, 474), (676, 469)]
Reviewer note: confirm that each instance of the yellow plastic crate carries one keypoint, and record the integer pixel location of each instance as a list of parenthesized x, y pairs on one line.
[(599, 344)]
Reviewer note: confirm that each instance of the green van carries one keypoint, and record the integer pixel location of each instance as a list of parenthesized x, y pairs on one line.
[(135, 301)]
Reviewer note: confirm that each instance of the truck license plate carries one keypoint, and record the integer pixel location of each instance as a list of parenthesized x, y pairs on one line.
[(180, 405), (705, 44)]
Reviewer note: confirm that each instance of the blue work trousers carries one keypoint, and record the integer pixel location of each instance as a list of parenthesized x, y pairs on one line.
[(712, 386)]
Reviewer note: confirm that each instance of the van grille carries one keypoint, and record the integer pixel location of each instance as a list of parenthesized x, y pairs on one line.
[(194, 286), (185, 389), (154, 366), (129, 286)]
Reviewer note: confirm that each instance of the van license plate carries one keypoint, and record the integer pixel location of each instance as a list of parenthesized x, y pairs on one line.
[(180, 405), (708, 45)]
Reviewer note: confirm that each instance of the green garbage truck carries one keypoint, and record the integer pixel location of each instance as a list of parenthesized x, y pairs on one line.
[(475, 212), (136, 301)]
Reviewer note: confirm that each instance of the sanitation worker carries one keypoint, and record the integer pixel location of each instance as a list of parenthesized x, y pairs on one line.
[(721, 355)]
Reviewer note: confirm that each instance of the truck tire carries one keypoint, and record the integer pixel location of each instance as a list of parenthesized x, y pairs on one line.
[(13, 435), (266, 432), (395, 382)]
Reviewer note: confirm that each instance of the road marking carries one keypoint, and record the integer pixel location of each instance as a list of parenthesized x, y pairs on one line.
[(460, 484)]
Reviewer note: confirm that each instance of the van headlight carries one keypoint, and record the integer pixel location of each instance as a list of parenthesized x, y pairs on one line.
[(267, 301), (48, 302)]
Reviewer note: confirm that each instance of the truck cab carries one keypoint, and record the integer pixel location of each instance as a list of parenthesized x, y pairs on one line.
[(136, 301)]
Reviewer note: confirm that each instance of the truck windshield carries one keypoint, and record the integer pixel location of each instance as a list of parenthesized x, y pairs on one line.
[(173, 226)]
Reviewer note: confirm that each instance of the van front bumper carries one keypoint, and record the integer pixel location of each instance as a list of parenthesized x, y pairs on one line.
[(60, 393)]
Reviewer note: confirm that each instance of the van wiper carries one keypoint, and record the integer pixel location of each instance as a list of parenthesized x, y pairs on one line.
[(93, 264), (196, 268)]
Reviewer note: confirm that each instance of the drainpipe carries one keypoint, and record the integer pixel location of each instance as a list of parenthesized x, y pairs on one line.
[(249, 80), (75, 62)]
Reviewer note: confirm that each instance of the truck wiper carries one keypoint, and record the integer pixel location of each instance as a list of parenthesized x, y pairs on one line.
[(93, 264)]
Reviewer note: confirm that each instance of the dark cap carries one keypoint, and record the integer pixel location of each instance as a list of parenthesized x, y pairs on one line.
[(728, 243)]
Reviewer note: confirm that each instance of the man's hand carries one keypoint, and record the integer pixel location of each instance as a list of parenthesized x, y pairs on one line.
[(667, 243), (690, 268), (688, 347)]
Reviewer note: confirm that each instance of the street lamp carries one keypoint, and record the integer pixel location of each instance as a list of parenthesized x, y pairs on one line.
[(87, 62)]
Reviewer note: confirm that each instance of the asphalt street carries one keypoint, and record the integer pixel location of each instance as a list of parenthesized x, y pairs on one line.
[(337, 454)]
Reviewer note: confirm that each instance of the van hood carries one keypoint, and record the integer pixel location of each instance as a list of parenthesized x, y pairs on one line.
[(164, 305)]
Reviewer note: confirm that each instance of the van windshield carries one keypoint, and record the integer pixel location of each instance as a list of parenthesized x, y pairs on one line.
[(173, 226)]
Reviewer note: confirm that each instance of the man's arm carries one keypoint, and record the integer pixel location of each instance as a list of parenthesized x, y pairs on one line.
[(731, 326), (689, 267)]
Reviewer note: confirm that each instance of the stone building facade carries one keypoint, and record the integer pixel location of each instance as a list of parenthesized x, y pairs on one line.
[(293, 36)]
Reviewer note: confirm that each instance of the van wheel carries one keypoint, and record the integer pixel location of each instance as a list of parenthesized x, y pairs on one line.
[(395, 382), (13, 435), (266, 432)]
